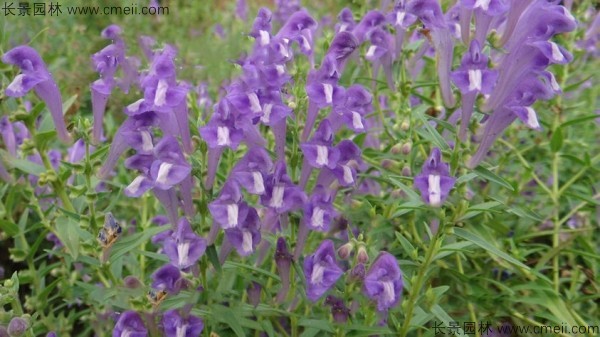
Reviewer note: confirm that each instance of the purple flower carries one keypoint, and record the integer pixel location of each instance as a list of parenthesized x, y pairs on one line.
[(281, 195), (430, 13), (319, 211), (345, 171), (253, 290), (473, 77), (371, 21), (167, 278), (283, 260), (130, 324), (228, 210), (251, 171), (285, 9), (184, 247), (319, 151), (321, 271), (174, 325), (246, 235), (346, 21), (383, 282), (34, 75), (339, 310), (241, 10), (434, 182)]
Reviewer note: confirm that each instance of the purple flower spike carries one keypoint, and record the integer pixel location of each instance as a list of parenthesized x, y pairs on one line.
[(174, 325), (321, 271), (383, 282), (34, 75), (130, 324), (434, 182), (166, 278), (184, 248), (246, 235)]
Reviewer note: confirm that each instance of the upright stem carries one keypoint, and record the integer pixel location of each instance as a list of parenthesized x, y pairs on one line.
[(420, 280)]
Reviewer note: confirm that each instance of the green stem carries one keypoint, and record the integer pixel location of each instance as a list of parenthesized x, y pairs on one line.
[(420, 280)]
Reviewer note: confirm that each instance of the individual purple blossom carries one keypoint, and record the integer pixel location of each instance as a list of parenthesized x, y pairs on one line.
[(246, 235), (370, 21), (285, 9), (34, 75), (319, 211), (472, 77), (281, 195), (401, 20), (176, 325), (380, 54), (434, 181), (383, 282), (321, 271), (184, 248), (106, 63), (319, 151), (485, 11), (345, 171), (430, 13), (130, 324), (228, 209), (251, 171), (346, 21), (357, 104), (167, 278)]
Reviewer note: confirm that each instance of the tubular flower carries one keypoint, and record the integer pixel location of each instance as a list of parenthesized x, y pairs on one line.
[(321, 271), (383, 282), (34, 75), (434, 182)]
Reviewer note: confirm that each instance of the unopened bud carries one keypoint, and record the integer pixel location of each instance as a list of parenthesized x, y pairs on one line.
[(254, 290), (3, 332), (396, 149), (406, 148), (17, 327), (406, 171), (405, 126), (358, 272), (362, 256), (345, 250), (132, 282)]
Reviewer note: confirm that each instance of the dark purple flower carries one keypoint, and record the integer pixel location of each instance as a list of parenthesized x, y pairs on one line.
[(434, 181), (345, 171), (319, 151), (254, 289), (383, 282), (34, 75), (283, 260), (175, 325), (339, 310), (167, 278), (321, 271), (281, 194), (184, 247), (130, 324)]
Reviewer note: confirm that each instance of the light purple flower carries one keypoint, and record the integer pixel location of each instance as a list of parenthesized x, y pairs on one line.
[(184, 248), (34, 75), (175, 325), (251, 171), (321, 271), (281, 195), (319, 211), (246, 234), (434, 181), (383, 282), (346, 21), (319, 151), (130, 324)]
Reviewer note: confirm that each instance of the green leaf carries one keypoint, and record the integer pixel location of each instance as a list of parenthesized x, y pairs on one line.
[(578, 120), (443, 316), (320, 324), (556, 142), (235, 265), (431, 133), (229, 317), (461, 232), (9, 227), (211, 253), (22, 164), (489, 175), (127, 244), (68, 233)]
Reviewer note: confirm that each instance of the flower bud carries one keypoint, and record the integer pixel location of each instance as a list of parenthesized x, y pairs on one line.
[(254, 289), (406, 148), (3, 332), (405, 126), (396, 149), (345, 250), (362, 256), (132, 282), (358, 272), (406, 171), (17, 327)]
